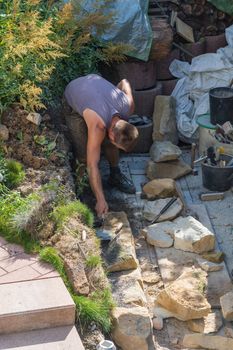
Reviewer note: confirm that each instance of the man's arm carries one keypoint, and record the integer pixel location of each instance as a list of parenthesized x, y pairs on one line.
[(96, 134), (124, 86)]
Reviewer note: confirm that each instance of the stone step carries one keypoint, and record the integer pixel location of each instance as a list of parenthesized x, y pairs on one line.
[(29, 305), (60, 338)]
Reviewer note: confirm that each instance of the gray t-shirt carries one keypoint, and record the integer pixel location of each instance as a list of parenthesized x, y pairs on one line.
[(98, 94)]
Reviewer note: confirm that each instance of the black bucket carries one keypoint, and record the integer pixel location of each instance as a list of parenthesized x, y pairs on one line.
[(215, 178), (221, 105)]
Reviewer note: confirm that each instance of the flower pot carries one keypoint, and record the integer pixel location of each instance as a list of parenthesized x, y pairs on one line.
[(196, 49), (145, 129), (144, 100), (215, 42), (168, 86), (162, 66)]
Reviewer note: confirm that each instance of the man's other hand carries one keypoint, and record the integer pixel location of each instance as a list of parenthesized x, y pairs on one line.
[(101, 208)]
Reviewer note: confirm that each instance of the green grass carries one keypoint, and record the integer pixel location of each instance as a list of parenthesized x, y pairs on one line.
[(12, 172), (62, 213), (93, 261)]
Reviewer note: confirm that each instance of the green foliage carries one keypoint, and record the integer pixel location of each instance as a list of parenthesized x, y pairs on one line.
[(11, 171), (96, 308), (93, 261), (62, 213), (44, 45)]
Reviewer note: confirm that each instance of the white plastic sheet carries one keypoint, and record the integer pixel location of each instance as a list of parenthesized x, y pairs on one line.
[(191, 92)]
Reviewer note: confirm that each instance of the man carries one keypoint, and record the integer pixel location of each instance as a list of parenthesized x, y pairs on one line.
[(100, 111)]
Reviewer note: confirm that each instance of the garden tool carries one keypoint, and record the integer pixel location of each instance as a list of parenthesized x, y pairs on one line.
[(164, 209)]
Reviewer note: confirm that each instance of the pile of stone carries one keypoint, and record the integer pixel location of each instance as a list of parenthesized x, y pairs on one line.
[(127, 287), (194, 273)]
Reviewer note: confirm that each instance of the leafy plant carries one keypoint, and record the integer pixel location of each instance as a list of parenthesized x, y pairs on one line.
[(62, 213)]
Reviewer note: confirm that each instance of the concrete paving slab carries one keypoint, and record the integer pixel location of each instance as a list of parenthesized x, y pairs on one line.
[(24, 274), (17, 262), (60, 338), (29, 305)]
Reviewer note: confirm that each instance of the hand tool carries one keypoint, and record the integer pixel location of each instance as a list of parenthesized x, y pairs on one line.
[(164, 209)]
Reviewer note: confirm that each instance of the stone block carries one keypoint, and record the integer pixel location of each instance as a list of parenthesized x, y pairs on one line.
[(159, 234), (172, 170), (159, 188), (211, 342), (164, 151), (152, 209), (226, 302), (34, 118), (209, 324)]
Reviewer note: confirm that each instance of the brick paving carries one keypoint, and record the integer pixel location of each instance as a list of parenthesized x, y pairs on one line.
[(17, 266)]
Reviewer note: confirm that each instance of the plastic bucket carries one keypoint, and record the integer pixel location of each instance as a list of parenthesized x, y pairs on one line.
[(215, 178), (221, 105), (106, 345)]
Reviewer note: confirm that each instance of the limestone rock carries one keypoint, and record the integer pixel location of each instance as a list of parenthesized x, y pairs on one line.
[(159, 234), (132, 328), (164, 119), (34, 118), (226, 302), (4, 133), (216, 257), (172, 170), (159, 188), (157, 323), (192, 236), (212, 342), (127, 292), (160, 311), (228, 330), (151, 277), (164, 151), (120, 254), (209, 266), (152, 209), (185, 297), (209, 324), (77, 276)]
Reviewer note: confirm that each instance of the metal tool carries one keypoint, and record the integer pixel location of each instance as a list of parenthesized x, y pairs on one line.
[(193, 155), (164, 209)]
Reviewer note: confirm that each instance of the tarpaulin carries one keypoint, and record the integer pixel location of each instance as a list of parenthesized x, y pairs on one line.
[(223, 5), (130, 24)]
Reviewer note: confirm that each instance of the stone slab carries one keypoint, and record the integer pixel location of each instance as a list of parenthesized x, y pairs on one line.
[(60, 338), (30, 305), (173, 262)]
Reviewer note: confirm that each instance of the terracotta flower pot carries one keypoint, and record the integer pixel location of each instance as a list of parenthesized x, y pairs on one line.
[(168, 86), (215, 42), (196, 49), (162, 66), (144, 100)]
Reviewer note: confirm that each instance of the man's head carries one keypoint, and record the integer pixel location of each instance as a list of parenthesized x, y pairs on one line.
[(122, 134)]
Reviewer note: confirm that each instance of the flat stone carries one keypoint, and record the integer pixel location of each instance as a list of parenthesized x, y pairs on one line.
[(208, 266), (127, 292), (76, 273), (151, 277), (228, 330), (159, 234), (192, 236), (172, 170), (226, 302), (164, 151), (159, 188), (185, 296), (132, 328), (215, 257), (172, 263), (120, 254), (157, 323), (34, 118), (152, 209), (212, 342), (164, 119), (209, 324), (161, 312), (4, 133)]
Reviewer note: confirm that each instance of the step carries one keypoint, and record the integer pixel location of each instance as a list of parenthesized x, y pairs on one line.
[(29, 305), (60, 338)]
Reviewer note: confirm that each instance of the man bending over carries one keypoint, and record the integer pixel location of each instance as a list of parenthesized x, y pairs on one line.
[(96, 115)]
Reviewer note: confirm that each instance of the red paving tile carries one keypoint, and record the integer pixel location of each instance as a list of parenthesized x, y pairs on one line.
[(42, 268), (17, 262), (24, 274), (3, 254)]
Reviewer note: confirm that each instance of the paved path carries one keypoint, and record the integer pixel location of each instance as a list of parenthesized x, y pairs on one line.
[(17, 266)]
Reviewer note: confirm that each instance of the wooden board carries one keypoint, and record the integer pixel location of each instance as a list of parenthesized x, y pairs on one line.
[(184, 30)]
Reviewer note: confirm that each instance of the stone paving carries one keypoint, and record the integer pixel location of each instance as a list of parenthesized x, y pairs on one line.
[(17, 266)]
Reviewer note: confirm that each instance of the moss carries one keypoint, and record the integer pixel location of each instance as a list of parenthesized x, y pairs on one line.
[(62, 213)]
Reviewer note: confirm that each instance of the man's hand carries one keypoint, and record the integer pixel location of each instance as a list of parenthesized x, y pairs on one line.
[(101, 208)]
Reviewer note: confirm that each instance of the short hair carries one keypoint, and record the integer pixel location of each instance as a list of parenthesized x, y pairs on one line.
[(125, 135)]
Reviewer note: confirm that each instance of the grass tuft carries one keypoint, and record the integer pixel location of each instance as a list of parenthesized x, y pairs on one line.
[(93, 261), (15, 173), (63, 212)]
